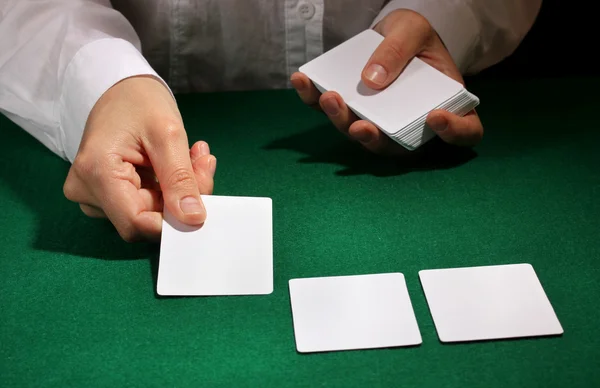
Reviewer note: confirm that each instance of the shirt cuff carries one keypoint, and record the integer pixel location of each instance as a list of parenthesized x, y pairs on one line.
[(453, 21), (95, 68)]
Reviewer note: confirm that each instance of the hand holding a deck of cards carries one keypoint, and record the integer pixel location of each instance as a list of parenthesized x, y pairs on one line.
[(407, 35)]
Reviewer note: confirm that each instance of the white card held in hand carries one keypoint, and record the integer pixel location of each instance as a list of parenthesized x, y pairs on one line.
[(230, 254), (400, 110), (352, 312), (488, 302)]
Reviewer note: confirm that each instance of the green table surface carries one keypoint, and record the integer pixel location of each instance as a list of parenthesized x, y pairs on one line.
[(78, 306)]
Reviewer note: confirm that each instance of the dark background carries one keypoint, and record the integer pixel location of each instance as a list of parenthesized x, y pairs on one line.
[(560, 43)]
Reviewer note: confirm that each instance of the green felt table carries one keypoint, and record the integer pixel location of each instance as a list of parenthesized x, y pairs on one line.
[(78, 306)]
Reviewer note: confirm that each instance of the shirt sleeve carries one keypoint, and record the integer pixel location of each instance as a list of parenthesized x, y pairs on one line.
[(477, 33), (57, 58)]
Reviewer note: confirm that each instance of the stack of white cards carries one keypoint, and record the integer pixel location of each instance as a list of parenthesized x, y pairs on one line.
[(400, 110)]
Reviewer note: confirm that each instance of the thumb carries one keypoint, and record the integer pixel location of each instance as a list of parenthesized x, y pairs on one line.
[(405, 35), (169, 154)]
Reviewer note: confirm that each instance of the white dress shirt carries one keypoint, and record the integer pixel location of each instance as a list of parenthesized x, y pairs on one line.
[(57, 57)]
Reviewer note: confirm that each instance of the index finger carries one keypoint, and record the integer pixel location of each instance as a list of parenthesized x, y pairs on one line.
[(125, 207), (308, 93)]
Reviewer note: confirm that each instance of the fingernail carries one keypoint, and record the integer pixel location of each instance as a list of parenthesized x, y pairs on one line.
[(191, 205), (194, 153), (438, 123), (298, 84), (331, 106), (204, 149), (376, 74), (212, 166)]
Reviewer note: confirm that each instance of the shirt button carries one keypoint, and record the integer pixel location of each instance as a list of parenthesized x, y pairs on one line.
[(306, 10)]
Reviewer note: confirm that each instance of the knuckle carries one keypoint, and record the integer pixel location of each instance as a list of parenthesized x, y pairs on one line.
[(83, 165), (163, 130), (393, 51), (145, 229), (421, 24), (69, 188), (170, 129), (87, 211), (450, 136), (96, 170), (181, 177), (310, 96), (477, 137), (115, 169), (128, 233), (74, 184), (464, 134)]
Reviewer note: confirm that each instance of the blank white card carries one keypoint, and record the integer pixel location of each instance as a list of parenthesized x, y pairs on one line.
[(488, 302), (352, 312), (231, 254)]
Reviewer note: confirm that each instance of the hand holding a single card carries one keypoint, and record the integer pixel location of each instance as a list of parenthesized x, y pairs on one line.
[(133, 156), (406, 34)]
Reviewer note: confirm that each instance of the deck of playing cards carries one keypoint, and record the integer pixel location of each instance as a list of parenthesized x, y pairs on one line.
[(400, 110)]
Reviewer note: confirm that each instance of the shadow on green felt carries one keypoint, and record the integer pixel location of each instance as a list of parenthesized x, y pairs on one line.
[(34, 177), (324, 145)]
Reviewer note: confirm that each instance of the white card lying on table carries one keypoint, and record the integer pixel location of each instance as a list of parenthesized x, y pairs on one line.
[(231, 254), (399, 110), (352, 312), (489, 302)]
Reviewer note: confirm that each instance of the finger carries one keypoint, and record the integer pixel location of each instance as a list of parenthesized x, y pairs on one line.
[(115, 195), (462, 131), (338, 112), (92, 211), (372, 138), (405, 36), (148, 178), (134, 213), (308, 93), (199, 149), (152, 200), (167, 149), (75, 189), (148, 225), (204, 166)]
